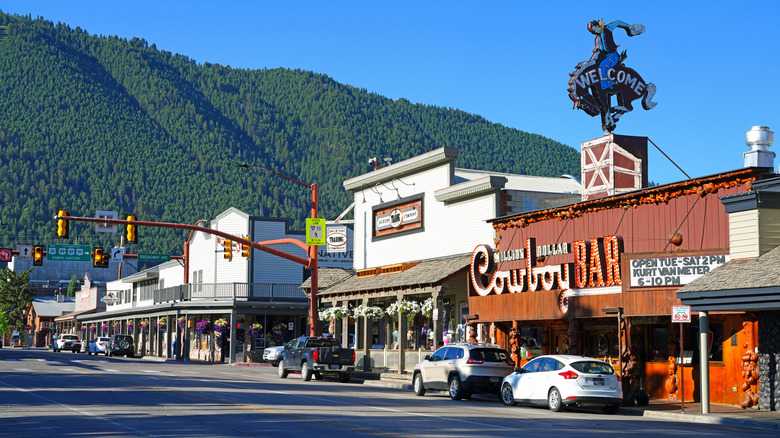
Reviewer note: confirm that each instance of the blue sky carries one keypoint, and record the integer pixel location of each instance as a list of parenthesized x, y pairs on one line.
[(715, 64)]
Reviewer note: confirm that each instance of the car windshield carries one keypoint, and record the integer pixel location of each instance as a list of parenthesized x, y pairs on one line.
[(593, 367), (103, 339), (489, 354), (70, 337)]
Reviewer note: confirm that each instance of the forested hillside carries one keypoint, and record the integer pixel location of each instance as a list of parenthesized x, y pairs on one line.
[(102, 123)]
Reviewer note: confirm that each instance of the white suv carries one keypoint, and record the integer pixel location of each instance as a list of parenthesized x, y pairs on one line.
[(463, 368), (65, 342)]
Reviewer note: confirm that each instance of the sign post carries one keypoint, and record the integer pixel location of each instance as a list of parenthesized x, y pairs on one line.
[(682, 314)]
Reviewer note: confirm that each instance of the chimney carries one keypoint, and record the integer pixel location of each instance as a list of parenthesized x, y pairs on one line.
[(759, 139)]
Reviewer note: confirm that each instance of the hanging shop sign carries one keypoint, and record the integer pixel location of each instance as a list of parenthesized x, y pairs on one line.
[(672, 271), (596, 265), (596, 81)]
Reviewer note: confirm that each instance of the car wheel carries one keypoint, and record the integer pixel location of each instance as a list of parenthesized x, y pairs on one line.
[(417, 384), (554, 401), (282, 372), (456, 388), (611, 409), (507, 395), (344, 377), (305, 372), (318, 376)]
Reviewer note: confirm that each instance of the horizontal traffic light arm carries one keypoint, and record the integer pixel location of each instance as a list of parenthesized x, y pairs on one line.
[(308, 262)]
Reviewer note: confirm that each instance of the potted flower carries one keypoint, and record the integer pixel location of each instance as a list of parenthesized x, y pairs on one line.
[(117, 326), (371, 312), (256, 330), (92, 329), (221, 326), (106, 326), (162, 323), (181, 322), (203, 327), (144, 325), (130, 325)]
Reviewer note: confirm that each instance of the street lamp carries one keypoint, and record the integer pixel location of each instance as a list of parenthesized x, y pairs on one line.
[(311, 252)]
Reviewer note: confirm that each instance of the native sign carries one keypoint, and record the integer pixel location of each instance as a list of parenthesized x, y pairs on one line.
[(604, 75)]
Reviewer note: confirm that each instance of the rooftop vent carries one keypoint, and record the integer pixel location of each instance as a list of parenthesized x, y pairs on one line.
[(759, 139)]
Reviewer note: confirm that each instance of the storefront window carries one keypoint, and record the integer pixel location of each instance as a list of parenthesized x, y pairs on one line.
[(659, 343), (530, 342)]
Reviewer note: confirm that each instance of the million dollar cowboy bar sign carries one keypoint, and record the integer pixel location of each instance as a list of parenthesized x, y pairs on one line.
[(596, 267)]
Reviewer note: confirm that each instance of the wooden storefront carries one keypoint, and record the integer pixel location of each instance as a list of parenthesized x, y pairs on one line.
[(599, 278)]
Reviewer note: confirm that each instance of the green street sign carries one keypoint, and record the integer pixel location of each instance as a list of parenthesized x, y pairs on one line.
[(153, 257), (315, 231), (69, 253)]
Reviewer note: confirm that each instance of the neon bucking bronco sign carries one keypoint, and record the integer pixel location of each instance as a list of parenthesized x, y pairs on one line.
[(595, 81)]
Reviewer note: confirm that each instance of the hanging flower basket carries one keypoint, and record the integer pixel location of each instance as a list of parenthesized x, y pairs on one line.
[(427, 307), (106, 326), (162, 323), (92, 328), (130, 325), (372, 313), (144, 325), (117, 326), (83, 330), (256, 330), (181, 322), (203, 327), (221, 326), (408, 308), (338, 312)]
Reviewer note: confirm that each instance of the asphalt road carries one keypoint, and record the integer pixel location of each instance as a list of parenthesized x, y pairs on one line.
[(45, 394)]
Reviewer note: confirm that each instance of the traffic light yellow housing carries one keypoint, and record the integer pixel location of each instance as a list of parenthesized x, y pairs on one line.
[(62, 225), (98, 259), (228, 247), (245, 250), (38, 256), (130, 230)]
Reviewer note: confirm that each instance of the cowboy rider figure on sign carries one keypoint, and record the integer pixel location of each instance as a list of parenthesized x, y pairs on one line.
[(595, 81)]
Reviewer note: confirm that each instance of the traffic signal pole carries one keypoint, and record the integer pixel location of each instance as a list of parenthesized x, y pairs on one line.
[(261, 246), (311, 263)]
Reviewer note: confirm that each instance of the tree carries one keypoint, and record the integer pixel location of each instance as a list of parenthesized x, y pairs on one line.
[(15, 295), (4, 326), (72, 286)]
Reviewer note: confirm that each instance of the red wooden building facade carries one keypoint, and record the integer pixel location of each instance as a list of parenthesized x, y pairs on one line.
[(599, 278)]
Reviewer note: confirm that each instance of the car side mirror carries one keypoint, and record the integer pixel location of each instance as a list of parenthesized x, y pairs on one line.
[(519, 370), (428, 357)]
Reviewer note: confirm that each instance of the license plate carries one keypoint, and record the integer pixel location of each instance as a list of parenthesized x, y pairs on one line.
[(334, 367), (494, 379), (598, 381)]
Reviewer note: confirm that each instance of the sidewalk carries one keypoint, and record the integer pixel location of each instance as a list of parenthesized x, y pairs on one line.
[(663, 409)]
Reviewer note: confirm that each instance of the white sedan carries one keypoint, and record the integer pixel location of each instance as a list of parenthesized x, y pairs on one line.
[(98, 345), (562, 380)]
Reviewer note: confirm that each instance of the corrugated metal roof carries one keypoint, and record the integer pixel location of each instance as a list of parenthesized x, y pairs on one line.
[(49, 307)]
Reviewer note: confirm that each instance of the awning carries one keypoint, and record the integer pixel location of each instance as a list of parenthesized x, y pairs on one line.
[(737, 285)]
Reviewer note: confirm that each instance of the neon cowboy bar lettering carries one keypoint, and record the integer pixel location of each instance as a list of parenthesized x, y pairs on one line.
[(596, 264)]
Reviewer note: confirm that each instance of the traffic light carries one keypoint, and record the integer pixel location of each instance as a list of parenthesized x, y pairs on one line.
[(228, 247), (130, 234), (245, 250), (98, 261), (104, 262), (37, 256), (62, 224)]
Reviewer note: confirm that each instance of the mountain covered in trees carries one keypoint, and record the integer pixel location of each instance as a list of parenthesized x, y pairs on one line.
[(102, 123)]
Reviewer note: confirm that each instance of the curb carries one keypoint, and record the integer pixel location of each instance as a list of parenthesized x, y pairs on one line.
[(713, 419)]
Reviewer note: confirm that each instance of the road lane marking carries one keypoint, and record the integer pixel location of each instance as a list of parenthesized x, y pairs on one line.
[(77, 410)]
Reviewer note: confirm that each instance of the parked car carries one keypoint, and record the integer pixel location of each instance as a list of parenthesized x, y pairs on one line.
[(273, 354), (66, 342), (121, 345), (563, 380), (99, 345), (463, 368), (316, 356)]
